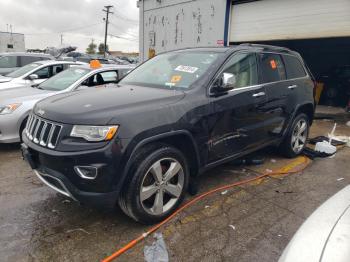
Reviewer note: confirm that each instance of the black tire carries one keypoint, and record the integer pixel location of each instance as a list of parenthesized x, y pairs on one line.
[(23, 126), (142, 172), (287, 147)]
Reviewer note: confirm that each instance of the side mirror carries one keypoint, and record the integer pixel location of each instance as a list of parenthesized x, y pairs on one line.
[(225, 83), (33, 77)]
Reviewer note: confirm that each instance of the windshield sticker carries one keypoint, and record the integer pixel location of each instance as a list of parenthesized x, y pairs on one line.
[(170, 84), (175, 78), (186, 69), (273, 64)]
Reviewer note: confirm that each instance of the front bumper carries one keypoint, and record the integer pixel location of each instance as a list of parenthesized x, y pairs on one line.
[(56, 170), (9, 128), (61, 184)]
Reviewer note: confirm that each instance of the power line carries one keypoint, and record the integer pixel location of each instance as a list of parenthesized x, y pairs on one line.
[(122, 31), (67, 30), (124, 18), (124, 38)]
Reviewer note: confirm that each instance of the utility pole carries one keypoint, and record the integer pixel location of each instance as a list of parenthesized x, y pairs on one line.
[(106, 28), (61, 39)]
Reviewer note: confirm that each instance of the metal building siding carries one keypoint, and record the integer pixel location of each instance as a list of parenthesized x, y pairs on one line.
[(181, 23), (289, 19)]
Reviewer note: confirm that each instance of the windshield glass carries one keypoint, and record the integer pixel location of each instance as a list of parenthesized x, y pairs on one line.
[(64, 79), (23, 70), (172, 70)]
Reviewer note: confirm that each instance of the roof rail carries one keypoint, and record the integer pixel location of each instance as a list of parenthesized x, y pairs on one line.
[(267, 47)]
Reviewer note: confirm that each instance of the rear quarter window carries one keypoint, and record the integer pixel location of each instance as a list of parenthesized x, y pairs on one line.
[(294, 67), (272, 68)]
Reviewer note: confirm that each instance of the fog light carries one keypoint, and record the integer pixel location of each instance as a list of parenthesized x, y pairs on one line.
[(86, 172)]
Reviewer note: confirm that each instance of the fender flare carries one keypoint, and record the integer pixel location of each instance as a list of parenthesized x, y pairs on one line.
[(293, 115), (152, 139)]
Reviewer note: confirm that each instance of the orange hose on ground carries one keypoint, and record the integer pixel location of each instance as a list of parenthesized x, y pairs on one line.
[(132, 243)]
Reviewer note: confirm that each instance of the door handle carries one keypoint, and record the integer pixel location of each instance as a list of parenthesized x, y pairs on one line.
[(292, 86), (259, 94)]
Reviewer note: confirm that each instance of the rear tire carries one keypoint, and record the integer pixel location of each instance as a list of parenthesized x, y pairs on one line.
[(296, 138), (158, 182)]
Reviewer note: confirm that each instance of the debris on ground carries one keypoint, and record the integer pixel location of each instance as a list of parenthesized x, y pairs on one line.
[(268, 170), (66, 201), (206, 206), (157, 252), (232, 226), (348, 123), (279, 235), (340, 179), (273, 160), (224, 192), (77, 229)]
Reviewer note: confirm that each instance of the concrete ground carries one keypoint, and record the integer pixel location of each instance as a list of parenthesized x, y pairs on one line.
[(252, 222)]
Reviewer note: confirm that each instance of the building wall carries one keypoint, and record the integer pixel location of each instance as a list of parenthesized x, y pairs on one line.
[(289, 19), (16, 40), (172, 24)]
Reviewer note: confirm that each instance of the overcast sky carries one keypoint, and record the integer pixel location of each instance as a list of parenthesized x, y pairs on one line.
[(79, 21)]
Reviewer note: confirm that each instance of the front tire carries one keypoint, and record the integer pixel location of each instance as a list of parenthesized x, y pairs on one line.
[(296, 137), (159, 179)]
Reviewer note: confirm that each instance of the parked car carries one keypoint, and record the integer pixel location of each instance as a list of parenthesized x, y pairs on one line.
[(170, 119), (16, 104), (337, 86), (11, 61), (325, 235), (34, 73)]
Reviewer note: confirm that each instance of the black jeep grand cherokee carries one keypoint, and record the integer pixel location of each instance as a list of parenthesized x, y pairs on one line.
[(139, 144)]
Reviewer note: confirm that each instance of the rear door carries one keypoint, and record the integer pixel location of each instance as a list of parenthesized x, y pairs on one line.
[(236, 122), (273, 76)]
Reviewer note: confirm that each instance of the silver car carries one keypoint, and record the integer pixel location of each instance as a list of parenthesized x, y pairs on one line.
[(34, 73), (16, 104), (325, 235)]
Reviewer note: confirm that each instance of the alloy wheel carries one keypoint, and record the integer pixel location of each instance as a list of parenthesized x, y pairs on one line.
[(162, 186), (299, 136)]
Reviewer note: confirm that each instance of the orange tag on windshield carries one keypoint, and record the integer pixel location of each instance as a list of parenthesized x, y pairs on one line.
[(175, 79), (273, 64)]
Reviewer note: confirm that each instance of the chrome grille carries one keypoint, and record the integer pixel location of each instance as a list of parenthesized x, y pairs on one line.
[(42, 132)]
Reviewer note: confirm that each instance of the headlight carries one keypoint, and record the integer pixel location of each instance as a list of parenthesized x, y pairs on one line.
[(8, 109), (94, 133)]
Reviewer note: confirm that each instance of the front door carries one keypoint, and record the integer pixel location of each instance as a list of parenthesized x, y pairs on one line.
[(237, 121)]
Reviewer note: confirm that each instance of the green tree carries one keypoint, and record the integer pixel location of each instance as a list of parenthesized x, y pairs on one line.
[(101, 48), (91, 48)]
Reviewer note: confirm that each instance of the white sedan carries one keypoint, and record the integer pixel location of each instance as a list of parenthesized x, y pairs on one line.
[(34, 73)]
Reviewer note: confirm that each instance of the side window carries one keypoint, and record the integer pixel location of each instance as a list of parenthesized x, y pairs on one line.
[(25, 60), (56, 69), (110, 77), (245, 69), (294, 67), (8, 61), (43, 73), (272, 68)]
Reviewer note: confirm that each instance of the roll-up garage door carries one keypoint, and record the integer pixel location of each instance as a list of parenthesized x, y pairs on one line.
[(289, 19)]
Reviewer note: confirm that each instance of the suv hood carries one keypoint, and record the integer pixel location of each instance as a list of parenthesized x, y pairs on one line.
[(22, 94), (100, 106)]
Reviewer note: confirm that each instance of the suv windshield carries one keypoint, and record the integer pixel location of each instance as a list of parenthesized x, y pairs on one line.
[(177, 70), (64, 79), (23, 70)]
